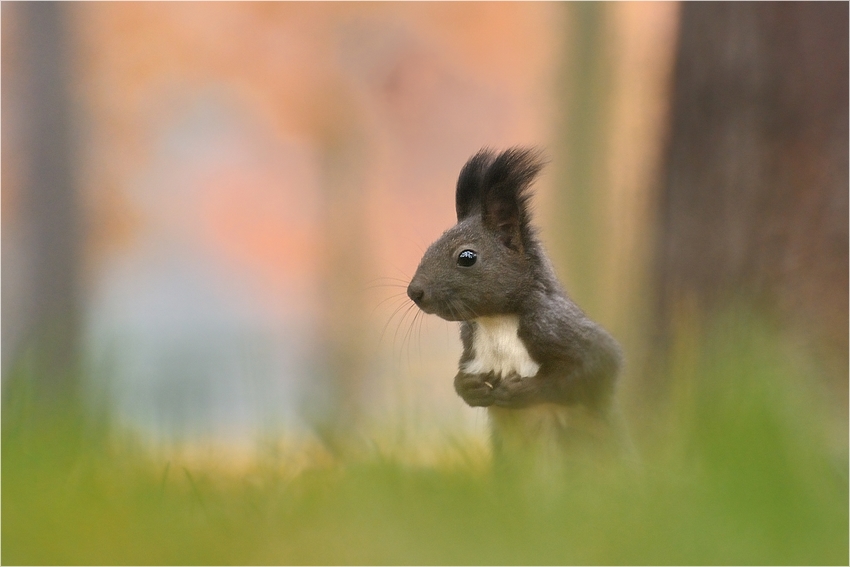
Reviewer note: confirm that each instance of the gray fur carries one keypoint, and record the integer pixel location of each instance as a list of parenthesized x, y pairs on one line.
[(579, 360)]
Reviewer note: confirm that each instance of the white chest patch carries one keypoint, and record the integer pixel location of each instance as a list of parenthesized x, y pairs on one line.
[(497, 348)]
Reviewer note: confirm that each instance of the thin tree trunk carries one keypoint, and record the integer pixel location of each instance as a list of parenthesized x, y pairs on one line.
[(579, 235), (48, 327)]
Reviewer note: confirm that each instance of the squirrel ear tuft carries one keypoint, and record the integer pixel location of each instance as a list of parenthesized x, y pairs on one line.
[(505, 195), (470, 182)]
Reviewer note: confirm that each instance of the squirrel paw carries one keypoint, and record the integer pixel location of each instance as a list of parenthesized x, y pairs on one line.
[(476, 389), (515, 391)]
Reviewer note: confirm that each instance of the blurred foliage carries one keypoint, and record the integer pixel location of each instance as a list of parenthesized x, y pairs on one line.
[(743, 477)]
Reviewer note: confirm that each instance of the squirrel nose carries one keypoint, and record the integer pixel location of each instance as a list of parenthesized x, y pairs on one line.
[(415, 293)]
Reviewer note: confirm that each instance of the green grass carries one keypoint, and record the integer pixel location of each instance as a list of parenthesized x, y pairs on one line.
[(743, 477)]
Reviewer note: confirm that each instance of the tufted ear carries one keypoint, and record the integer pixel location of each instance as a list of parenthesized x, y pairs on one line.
[(469, 184), (505, 196)]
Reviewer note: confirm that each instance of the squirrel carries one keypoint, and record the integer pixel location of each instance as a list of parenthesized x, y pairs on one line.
[(545, 371)]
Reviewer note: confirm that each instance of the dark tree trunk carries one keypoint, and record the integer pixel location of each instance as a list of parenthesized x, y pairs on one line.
[(755, 201), (47, 326)]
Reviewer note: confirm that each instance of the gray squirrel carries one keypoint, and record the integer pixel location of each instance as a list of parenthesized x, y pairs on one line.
[(530, 354)]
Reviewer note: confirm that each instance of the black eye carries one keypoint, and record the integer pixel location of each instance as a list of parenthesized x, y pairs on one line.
[(466, 258)]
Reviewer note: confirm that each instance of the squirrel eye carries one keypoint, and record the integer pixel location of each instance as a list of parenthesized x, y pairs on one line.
[(466, 258)]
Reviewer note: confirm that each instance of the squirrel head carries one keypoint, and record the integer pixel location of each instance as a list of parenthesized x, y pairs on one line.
[(484, 265)]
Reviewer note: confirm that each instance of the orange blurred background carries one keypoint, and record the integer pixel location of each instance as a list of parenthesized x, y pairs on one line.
[(257, 181)]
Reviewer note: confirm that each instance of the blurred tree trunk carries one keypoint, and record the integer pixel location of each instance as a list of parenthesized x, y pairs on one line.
[(337, 395), (579, 237), (47, 326), (754, 203)]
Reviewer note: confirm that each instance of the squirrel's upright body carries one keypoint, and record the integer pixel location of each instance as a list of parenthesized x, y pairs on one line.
[(529, 353)]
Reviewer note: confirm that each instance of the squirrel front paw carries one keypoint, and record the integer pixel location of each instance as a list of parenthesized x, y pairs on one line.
[(476, 389), (515, 391)]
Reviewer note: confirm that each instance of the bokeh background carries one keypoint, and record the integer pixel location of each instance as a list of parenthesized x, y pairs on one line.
[(210, 211), (242, 184)]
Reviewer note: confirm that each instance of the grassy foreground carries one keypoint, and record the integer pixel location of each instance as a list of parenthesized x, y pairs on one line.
[(743, 478)]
